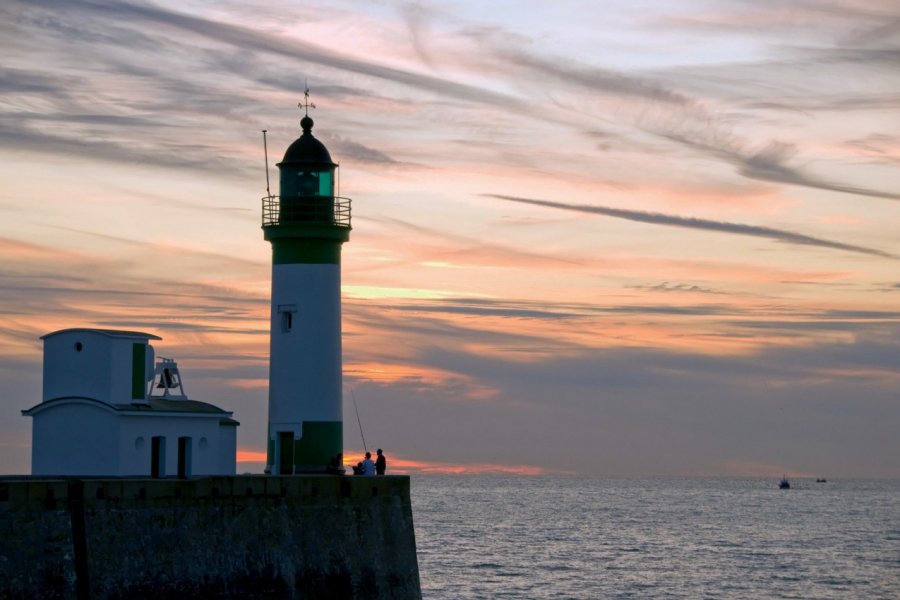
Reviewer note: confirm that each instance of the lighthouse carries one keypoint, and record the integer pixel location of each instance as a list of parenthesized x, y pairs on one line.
[(306, 225)]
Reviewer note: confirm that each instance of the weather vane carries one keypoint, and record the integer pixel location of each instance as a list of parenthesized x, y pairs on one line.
[(306, 104)]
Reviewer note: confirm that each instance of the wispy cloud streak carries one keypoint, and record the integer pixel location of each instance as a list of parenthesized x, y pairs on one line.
[(247, 39), (779, 235), (768, 164)]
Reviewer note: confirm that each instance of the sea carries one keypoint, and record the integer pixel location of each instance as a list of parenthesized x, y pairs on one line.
[(537, 537)]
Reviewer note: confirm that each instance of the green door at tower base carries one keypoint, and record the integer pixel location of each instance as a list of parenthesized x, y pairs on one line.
[(322, 441)]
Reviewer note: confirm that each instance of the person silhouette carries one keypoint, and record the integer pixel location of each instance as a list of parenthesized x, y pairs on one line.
[(380, 463), (368, 467)]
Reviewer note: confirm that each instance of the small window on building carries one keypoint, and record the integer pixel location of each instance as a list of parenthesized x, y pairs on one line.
[(185, 461), (287, 316)]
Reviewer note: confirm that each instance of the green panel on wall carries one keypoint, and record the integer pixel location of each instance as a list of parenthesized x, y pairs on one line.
[(138, 371)]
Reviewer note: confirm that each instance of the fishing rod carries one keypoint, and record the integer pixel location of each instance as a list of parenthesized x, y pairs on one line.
[(356, 406)]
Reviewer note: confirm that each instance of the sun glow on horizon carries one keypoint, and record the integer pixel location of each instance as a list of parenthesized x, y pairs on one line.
[(399, 465)]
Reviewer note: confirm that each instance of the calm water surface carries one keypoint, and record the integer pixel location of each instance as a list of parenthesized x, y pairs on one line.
[(575, 537)]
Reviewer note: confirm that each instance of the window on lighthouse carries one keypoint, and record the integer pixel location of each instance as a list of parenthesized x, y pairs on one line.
[(287, 316), (326, 184), (308, 183)]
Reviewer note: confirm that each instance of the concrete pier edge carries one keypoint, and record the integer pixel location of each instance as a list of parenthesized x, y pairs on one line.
[(245, 536)]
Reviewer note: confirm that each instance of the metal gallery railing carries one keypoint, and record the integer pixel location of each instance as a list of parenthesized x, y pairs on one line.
[(305, 210)]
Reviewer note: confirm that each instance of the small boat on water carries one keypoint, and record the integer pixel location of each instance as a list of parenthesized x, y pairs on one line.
[(784, 484), (821, 480)]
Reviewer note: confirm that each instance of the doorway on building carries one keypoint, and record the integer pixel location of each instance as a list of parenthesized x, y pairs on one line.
[(158, 457), (285, 452)]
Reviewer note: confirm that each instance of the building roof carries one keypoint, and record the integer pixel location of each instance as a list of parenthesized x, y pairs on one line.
[(166, 405), (115, 333), (153, 406)]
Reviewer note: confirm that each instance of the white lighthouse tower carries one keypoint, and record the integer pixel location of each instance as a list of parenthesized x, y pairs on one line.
[(306, 224)]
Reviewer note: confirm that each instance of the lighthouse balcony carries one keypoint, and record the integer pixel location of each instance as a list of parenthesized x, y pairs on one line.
[(306, 210)]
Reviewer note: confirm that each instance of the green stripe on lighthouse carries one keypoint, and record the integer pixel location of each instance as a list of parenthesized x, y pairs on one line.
[(315, 252), (317, 244)]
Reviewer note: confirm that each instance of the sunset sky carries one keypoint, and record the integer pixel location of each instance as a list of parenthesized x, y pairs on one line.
[(623, 237)]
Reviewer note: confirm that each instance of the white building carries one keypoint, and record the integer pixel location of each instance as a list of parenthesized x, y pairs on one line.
[(110, 408)]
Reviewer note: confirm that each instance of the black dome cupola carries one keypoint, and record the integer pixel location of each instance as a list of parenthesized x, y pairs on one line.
[(307, 169)]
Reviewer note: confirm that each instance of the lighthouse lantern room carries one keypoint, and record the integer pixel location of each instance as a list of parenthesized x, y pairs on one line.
[(306, 225)]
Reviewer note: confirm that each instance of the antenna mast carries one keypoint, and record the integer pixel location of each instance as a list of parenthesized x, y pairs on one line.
[(266, 154)]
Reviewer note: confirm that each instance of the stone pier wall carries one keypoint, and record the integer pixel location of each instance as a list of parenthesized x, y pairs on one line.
[(303, 536)]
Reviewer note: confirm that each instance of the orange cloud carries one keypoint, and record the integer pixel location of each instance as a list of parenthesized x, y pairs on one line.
[(248, 384), (392, 373), (418, 375)]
